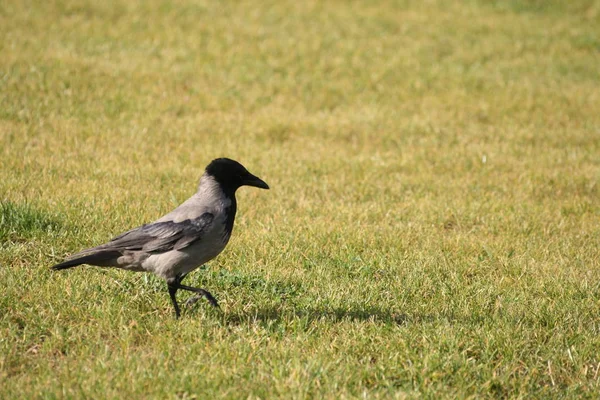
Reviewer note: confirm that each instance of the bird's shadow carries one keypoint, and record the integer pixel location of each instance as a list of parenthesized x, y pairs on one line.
[(291, 306), (281, 313), (311, 314)]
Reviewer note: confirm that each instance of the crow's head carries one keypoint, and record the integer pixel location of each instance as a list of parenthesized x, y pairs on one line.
[(231, 175)]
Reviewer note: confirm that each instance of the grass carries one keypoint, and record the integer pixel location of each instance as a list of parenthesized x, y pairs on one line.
[(433, 224), (22, 221)]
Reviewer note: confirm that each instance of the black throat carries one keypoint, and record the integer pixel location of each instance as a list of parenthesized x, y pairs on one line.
[(230, 213), (229, 186)]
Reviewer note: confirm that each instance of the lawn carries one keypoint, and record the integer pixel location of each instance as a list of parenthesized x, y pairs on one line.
[(432, 228)]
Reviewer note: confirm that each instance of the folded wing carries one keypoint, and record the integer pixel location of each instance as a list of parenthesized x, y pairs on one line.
[(157, 237), (163, 236)]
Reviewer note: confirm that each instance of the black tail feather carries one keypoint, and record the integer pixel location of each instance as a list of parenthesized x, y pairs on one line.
[(66, 264), (99, 259)]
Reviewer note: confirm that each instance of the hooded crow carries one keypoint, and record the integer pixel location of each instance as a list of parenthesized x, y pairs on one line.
[(184, 239)]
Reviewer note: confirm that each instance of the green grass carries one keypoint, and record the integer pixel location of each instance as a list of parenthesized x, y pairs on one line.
[(22, 221), (433, 227)]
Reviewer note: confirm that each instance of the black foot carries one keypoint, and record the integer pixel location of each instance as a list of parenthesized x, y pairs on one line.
[(193, 300), (175, 284), (172, 291), (201, 292)]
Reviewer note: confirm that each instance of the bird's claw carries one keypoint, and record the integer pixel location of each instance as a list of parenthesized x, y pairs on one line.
[(194, 299)]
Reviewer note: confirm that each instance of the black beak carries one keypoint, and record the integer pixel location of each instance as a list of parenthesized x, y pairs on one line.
[(255, 181)]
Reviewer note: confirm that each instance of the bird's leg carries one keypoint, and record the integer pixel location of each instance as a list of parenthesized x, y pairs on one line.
[(192, 300), (202, 292), (181, 277), (173, 287)]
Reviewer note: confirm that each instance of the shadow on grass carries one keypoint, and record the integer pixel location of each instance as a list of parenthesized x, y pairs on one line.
[(279, 314), (285, 312), (311, 314)]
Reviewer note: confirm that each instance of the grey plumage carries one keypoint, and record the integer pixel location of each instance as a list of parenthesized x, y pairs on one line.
[(187, 237), (142, 242), (165, 236)]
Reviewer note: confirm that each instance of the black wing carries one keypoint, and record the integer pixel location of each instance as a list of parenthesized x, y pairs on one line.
[(163, 236)]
